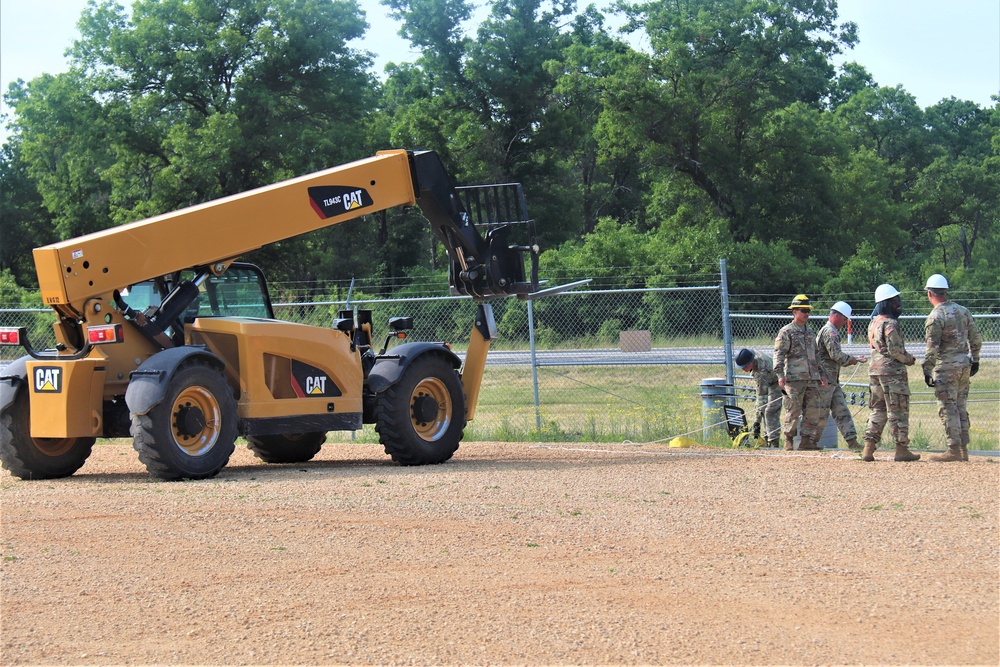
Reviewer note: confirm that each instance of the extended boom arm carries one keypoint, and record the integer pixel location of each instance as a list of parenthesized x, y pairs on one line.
[(209, 236)]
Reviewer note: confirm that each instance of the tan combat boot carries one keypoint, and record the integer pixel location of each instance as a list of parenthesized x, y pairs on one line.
[(808, 445), (853, 444), (950, 454), (869, 451), (789, 443), (904, 454), (965, 452)]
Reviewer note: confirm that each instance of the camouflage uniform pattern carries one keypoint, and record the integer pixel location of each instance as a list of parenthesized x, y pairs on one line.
[(831, 358), (796, 360), (889, 382), (951, 337), (768, 407)]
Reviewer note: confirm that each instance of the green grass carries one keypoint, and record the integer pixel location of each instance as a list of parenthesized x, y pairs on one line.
[(653, 404), (647, 404)]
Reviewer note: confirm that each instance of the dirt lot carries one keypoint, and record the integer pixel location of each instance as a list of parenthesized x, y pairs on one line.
[(508, 554)]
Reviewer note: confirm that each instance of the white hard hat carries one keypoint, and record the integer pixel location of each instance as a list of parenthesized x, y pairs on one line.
[(885, 291), (842, 307), (937, 281)]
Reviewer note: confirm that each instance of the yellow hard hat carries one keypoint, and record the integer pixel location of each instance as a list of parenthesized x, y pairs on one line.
[(681, 441), (800, 301)]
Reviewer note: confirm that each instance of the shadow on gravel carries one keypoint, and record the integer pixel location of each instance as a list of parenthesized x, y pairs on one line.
[(232, 473), (361, 467)]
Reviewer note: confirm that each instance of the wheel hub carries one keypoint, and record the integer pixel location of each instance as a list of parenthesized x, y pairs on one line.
[(425, 409), (190, 421)]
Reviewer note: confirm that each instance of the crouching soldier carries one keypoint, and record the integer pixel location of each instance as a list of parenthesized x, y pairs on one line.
[(768, 405)]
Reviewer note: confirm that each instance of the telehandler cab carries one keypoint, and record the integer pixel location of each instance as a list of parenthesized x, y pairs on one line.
[(162, 335)]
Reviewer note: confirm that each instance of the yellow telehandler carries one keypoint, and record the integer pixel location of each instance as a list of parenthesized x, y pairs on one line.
[(162, 335)]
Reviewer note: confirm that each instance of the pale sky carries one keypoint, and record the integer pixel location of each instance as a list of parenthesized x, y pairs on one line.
[(933, 48)]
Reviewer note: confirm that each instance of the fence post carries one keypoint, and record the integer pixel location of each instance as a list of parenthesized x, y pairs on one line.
[(534, 365), (727, 327)]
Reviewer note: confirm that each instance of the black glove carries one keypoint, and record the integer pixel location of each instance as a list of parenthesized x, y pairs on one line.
[(928, 380), (756, 430), (975, 368)]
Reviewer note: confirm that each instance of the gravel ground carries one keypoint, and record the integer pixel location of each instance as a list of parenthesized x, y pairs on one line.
[(508, 554)]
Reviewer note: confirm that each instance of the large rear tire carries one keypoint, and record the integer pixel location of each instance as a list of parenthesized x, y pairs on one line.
[(191, 433), (421, 418), (37, 458), (287, 447)]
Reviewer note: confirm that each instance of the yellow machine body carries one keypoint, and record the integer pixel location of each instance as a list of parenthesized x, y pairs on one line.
[(66, 397), (283, 369), (192, 367)]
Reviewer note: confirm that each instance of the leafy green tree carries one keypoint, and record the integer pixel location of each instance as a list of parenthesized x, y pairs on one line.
[(595, 184), (702, 106), (956, 198), (868, 212), (613, 255), (960, 128), (62, 136), (958, 201), (181, 101), (230, 95), (867, 268), (485, 104), (852, 79), (889, 122), (23, 223)]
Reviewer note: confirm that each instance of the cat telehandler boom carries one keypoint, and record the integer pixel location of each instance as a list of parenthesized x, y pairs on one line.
[(162, 335)]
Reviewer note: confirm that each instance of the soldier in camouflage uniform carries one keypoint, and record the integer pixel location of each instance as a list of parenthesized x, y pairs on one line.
[(831, 358), (953, 346), (768, 406), (888, 381), (796, 364)]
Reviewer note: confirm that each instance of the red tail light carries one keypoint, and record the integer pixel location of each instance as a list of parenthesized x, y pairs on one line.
[(10, 336), (109, 333)]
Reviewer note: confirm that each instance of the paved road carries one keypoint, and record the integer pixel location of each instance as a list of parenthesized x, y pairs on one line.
[(672, 355), (663, 355)]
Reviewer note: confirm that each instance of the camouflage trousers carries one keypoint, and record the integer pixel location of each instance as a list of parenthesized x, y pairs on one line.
[(771, 418), (952, 392), (890, 402), (832, 396), (801, 400)]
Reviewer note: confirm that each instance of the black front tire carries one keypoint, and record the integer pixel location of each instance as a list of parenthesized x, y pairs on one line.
[(37, 458), (420, 419), (286, 447), (191, 433)]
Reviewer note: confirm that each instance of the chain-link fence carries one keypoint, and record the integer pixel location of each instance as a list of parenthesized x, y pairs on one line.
[(582, 365), (628, 364)]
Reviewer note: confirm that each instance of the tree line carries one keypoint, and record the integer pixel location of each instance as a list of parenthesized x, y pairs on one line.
[(731, 133)]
